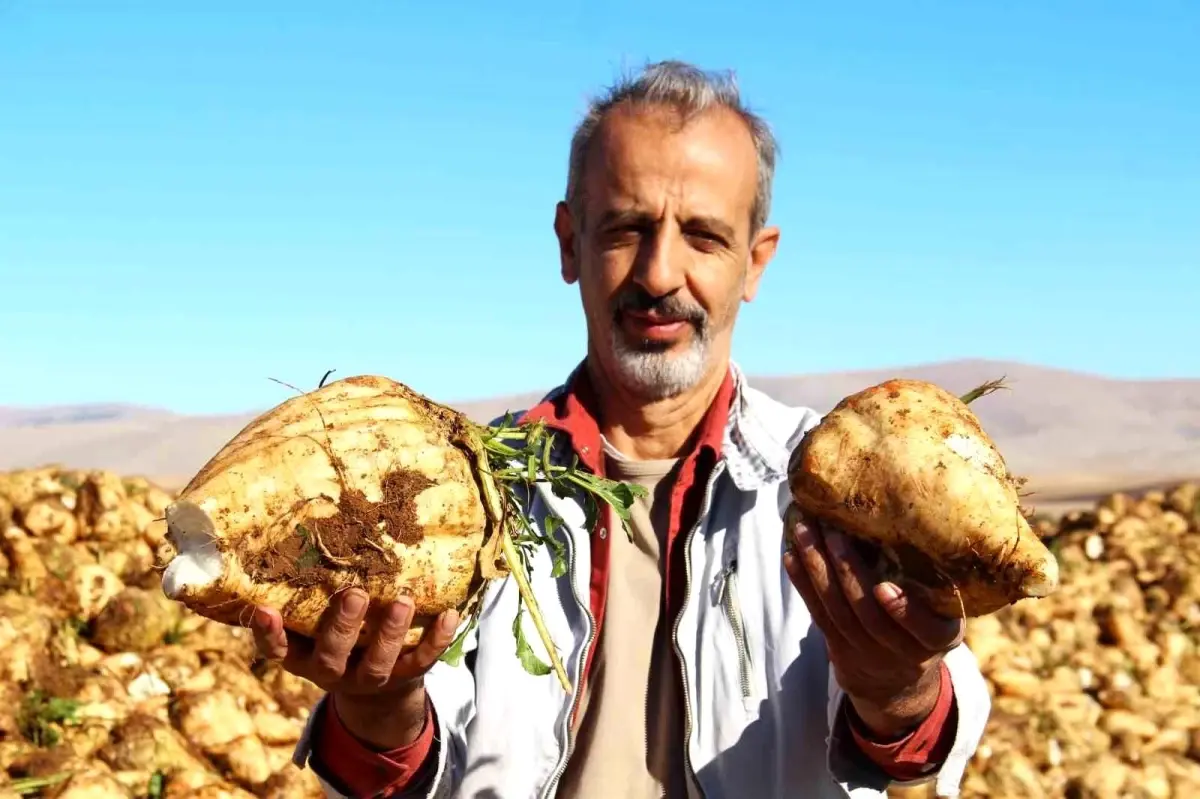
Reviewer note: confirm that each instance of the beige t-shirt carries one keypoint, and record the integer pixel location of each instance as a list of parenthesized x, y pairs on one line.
[(629, 741)]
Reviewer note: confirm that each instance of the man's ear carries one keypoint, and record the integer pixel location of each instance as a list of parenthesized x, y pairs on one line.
[(564, 228), (762, 250)]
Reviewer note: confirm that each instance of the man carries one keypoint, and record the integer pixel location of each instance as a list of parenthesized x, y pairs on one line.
[(721, 652)]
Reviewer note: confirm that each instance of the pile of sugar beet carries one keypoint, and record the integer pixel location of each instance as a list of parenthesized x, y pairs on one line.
[(1096, 688), (109, 689)]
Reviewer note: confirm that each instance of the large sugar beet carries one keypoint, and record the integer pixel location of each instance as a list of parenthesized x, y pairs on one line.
[(364, 482), (361, 483), (906, 466)]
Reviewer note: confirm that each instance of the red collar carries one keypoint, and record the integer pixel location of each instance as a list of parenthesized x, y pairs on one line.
[(575, 413)]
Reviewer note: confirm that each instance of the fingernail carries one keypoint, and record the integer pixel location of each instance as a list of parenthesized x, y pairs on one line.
[(803, 536), (449, 621), (261, 619), (353, 602), (889, 592), (789, 561), (401, 612)]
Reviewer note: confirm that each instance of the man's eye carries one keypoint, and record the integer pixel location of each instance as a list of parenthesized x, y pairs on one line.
[(623, 232), (706, 238)]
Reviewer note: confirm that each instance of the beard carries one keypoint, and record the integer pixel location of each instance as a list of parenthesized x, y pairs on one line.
[(651, 369)]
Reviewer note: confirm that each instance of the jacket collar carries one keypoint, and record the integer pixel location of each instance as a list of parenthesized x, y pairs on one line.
[(746, 429)]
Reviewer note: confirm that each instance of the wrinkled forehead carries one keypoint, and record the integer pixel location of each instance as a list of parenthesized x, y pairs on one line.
[(652, 161)]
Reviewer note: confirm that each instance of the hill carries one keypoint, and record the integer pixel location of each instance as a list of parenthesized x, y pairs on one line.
[(1075, 435)]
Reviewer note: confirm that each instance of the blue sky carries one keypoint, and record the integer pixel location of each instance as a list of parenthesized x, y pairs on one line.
[(195, 197)]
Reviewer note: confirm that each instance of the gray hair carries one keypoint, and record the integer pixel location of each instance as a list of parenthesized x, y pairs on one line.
[(688, 90)]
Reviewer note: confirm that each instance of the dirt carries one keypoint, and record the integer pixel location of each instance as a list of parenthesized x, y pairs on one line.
[(53, 592), (56, 679), (351, 539), (39, 763)]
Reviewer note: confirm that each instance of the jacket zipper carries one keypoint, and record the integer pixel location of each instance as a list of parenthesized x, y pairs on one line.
[(559, 770), (733, 613), (645, 732), (687, 573)]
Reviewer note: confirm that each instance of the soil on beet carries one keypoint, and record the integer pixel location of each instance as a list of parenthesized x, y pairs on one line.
[(350, 540), (56, 679)]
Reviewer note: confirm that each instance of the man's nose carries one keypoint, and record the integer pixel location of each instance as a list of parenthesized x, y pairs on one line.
[(661, 267)]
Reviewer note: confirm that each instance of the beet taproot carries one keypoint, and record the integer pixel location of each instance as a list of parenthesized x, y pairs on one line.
[(906, 467), (364, 482)]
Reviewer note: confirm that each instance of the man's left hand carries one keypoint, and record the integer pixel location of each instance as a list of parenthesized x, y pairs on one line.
[(885, 645)]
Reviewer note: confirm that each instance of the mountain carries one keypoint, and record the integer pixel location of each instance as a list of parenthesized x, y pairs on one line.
[(1072, 433)]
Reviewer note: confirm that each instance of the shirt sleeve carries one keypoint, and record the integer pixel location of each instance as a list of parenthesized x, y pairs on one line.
[(357, 769), (921, 751)]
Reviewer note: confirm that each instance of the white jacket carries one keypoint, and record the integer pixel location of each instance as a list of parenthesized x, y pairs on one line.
[(760, 696)]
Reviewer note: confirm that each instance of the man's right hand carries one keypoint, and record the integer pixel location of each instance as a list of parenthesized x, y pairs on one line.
[(378, 692)]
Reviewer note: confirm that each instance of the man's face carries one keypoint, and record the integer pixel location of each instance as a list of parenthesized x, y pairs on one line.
[(664, 254)]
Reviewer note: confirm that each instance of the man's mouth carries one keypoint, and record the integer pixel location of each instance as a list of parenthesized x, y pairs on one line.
[(653, 327)]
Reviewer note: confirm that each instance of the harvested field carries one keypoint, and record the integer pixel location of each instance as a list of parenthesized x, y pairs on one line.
[(109, 690)]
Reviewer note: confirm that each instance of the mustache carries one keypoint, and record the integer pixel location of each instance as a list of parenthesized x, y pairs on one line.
[(673, 306)]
